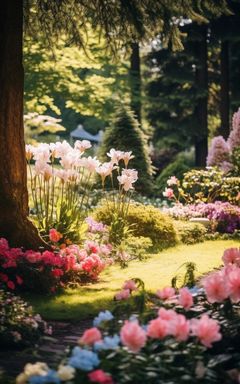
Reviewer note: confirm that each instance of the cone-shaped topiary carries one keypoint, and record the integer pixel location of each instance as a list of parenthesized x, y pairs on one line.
[(125, 134)]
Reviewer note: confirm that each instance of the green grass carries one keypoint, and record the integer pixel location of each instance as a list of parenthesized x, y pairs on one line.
[(156, 272)]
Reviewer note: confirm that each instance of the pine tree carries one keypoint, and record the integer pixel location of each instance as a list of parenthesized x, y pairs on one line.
[(125, 134)]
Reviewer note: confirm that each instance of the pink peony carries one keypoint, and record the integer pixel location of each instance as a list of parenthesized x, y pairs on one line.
[(168, 193), (123, 295), (133, 336), (54, 235), (157, 328), (166, 293), (206, 330), (233, 278), (179, 327), (231, 256), (167, 314), (91, 336), (185, 298), (215, 287), (99, 376), (130, 284)]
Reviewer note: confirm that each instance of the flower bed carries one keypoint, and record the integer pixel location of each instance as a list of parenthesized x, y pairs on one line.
[(49, 270), (18, 325), (180, 337), (224, 216)]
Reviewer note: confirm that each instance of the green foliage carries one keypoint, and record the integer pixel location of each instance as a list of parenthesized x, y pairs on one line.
[(186, 278), (124, 134), (19, 327), (210, 185), (145, 221), (36, 125), (178, 167), (190, 233)]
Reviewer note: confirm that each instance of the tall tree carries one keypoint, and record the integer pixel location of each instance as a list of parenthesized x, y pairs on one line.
[(135, 80), (119, 20)]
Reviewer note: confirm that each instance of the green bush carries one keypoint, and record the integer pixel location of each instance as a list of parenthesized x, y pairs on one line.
[(124, 134), (178, 168), (146, 221), (190, 233), (210, 185)]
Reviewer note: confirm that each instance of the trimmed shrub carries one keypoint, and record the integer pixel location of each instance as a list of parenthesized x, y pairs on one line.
[(190, 233), (125, 134), (146, 221)]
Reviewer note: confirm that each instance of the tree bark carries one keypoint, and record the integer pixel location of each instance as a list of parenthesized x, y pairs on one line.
[(201, 138), (135, 80), (14, 223), (224, 102)]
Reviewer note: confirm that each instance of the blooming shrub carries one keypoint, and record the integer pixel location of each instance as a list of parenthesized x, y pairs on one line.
[(208, 185), (180, 338), (225, 217), (219, 153), (49, 270), (18, 325)]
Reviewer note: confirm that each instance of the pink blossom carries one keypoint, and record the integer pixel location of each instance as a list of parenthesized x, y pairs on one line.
[(168, 193), (231, 256), (166, 293), (54, 235), (11, 284), (91, 336), (215, 287), (233, 278), (234, 137), (101, 377), (206, 330), (218, 152), (179, 327), (157, 328), (167, 314), (185, 298), (133, 336), (82, 145), (127, 178), (123, 295), (105, 170), (173, 180), (33, 257), (115, 156), (127, 156), (19, 280), (130, 284)]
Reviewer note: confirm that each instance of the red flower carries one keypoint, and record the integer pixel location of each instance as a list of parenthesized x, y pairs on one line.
[(99, 376), (57, 272), (19, 280), (3, 277), (11, 284)]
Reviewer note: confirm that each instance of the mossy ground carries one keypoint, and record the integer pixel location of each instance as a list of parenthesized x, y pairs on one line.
[(156, 271)]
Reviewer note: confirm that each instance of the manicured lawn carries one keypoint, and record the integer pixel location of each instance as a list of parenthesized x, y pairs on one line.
[(156, 272)]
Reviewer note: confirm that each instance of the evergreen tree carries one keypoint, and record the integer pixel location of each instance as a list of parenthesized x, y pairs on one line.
[(125, 134)]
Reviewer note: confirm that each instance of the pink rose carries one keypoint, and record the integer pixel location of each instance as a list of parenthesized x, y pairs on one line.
[(123, 295), (231, 256), (99, 376), (166, 293), (133, 336), (185, 298), (206, 330), (130, 284), (157, 328), (90, 336), (54, 235)]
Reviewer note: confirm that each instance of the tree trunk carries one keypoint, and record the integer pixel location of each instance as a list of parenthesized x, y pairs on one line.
[(201, 139), (14, 223), (224, 102), (135, 80)]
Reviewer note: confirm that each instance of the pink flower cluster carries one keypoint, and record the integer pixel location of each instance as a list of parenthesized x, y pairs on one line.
[(89, 261), (225, 284), (128, 287), (170, 323)]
